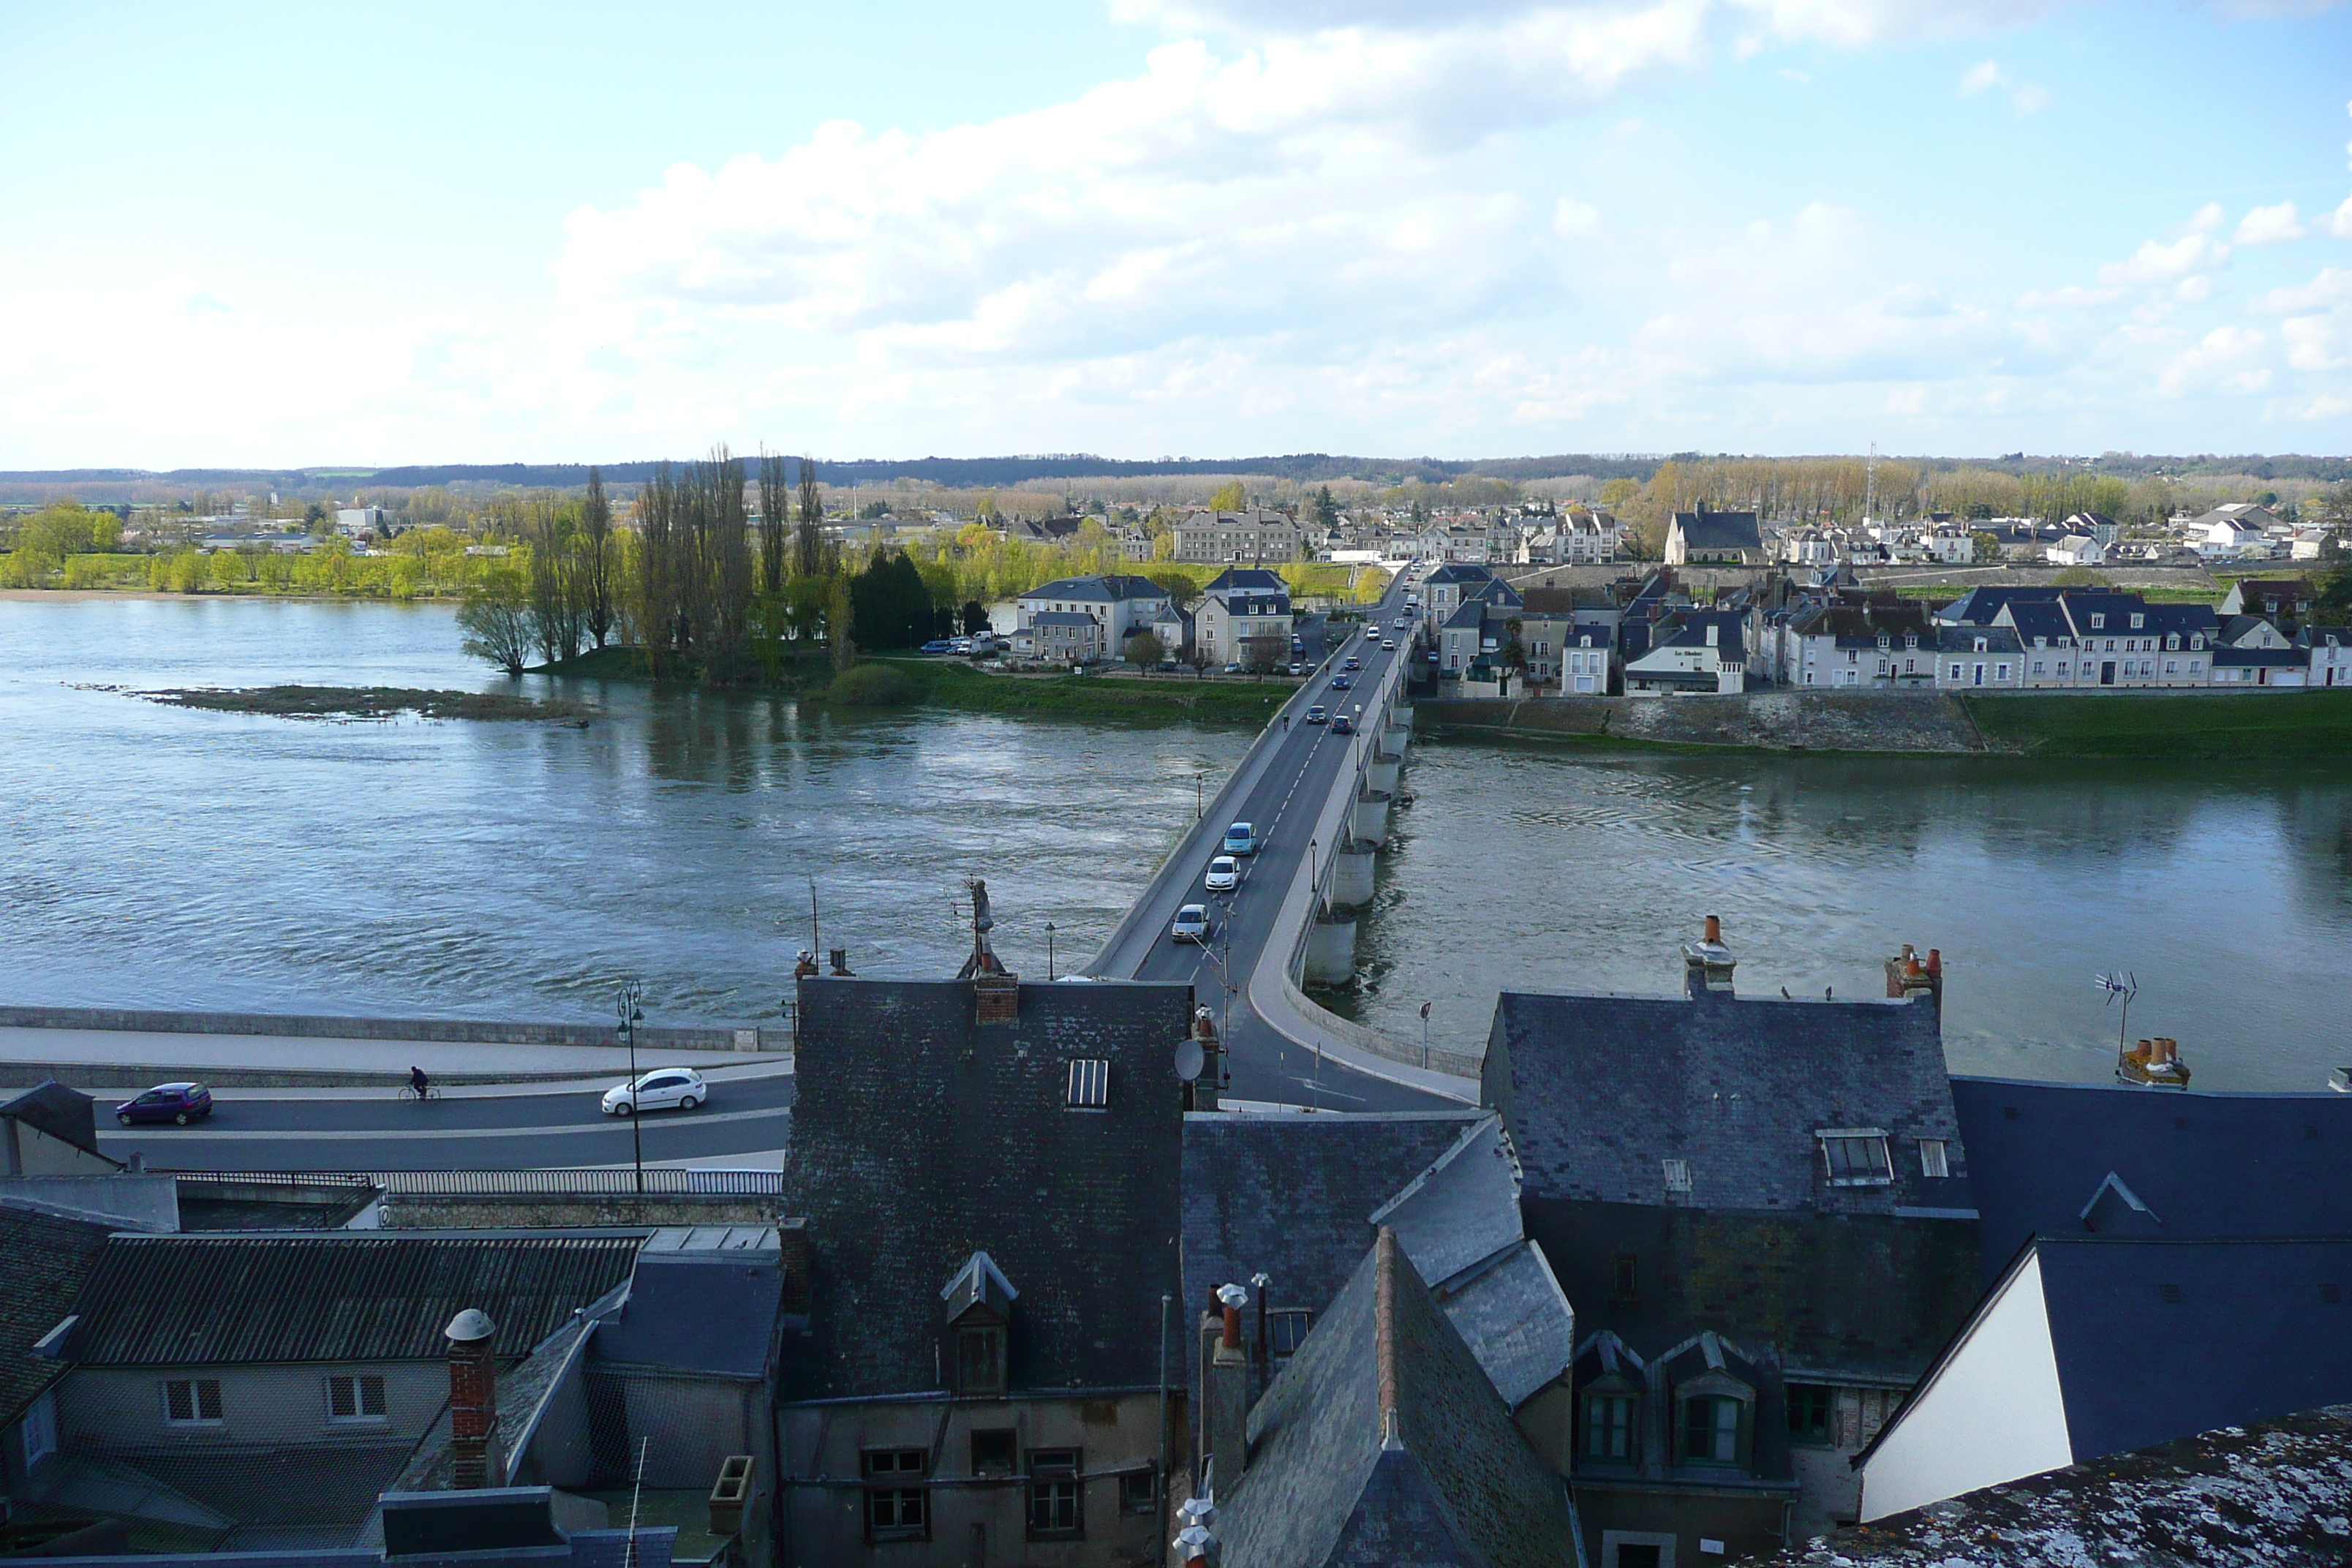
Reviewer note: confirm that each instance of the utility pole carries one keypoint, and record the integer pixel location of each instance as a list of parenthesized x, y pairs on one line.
[(632, 993)]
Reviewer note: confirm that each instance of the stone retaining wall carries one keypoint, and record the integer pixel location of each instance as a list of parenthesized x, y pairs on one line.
[(1773, 720), (445, 1031)]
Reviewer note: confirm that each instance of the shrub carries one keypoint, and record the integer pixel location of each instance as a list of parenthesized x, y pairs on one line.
[(874, 686)]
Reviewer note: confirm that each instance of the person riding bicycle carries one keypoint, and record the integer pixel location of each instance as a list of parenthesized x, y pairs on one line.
[(417, 1082)]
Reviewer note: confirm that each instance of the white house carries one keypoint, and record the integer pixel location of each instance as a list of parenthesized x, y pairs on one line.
[(1583, 660), (1122, 604), (1951, 545), (2077, 550), (1244, 617), (2331, 655)]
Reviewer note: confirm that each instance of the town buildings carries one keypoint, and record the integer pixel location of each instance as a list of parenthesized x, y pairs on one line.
[(1255, 537), (1120, 604), (1714, 539), (1244, 617)]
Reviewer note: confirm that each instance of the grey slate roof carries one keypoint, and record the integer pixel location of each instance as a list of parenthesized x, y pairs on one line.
[(1458, 572), (1597, 1091), (1716, 531), (1978, 607), (2204, 1165), (1381, 1442), (1517, 1321), (47, 1258), (214, 1300), (58, 1110), (2277, 1492), (714, 1313), (1107, 589), (1292, 1197), (920, 1137)]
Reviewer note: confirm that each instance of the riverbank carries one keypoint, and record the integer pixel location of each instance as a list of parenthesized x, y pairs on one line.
[(2270, 726), (954, 684)]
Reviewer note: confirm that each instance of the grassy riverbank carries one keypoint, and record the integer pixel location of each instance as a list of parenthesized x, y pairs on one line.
[(947, 683), (2253, 726)]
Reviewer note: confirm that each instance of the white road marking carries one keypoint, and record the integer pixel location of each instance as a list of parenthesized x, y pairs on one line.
[(689, 1118)]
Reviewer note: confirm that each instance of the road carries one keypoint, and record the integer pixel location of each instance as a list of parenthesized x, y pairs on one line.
[(1300, 765), (369, 1130)]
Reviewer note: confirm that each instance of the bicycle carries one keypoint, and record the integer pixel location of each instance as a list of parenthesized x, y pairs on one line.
[(410, 1091)]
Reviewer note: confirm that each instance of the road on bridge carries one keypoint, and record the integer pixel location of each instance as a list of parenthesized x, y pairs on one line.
[(1299, 766)]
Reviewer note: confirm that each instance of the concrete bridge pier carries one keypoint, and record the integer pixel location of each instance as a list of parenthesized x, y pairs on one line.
[(1395, 737), (1332, 951), (1352, 874), (1381, 775), (1369, 820)]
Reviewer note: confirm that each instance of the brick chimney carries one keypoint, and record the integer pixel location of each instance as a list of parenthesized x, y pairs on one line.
[(1909, 979), (473, 1400), (1228, 1400), (1707, 964)]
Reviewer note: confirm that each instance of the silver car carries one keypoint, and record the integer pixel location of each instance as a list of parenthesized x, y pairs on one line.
[(659, 1089)]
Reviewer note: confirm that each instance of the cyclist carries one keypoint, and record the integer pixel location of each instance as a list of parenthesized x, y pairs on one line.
[(418, 1082)]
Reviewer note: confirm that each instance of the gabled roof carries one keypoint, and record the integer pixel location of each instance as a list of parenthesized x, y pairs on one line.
[(1458, 572), (216, 1301), (978, 1283), (1108, 588), (921, 1136), (1978, 607), (1062, 618), (708, 1311), (59, 1111), (2272, 1492), (2205, 1165), (1462, 1209), (1718, 530), (48, 1258), (1247, 580), (1382, 1441)]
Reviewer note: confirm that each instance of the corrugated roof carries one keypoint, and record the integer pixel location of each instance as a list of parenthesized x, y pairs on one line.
[(186, 1301)]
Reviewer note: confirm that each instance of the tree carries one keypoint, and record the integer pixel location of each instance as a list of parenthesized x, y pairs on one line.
[(1326, 511), (975, 617), (1228, 497), (1145, 650), (598, 551), (809, 553), (1987, 547), (1181, 587), (775, 523), (839, 617), (496, 618)]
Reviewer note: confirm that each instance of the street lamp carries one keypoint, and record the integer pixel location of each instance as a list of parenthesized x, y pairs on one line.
[(1198, 809), (633, 993), (1049, 950)]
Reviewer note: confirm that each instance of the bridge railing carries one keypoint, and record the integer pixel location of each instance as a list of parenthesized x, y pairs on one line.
[(594, 1180)]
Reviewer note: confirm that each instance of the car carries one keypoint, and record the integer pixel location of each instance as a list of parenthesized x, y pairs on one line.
[(1225, 875), (1353, 663), (1316, 715), (1233, 670), (959, 645), (1241, 838), (1340, 683), (178, 1103), (1297, 643), (1343, 725), (1402, 622), (1388, 645), (938, 645), (1167, 666), (1296, 667), (657, 1090), (1191, 924)]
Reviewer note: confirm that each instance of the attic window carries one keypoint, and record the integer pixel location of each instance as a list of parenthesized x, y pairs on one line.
[(1286, 1330), (1856, 1157), (1933, 1159), (1677, 1173), (1089, 1085)]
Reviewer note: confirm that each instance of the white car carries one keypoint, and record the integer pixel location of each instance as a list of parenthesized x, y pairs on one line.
[(1191, 924), (1225, 875), (657, 1090), (1388, 645)]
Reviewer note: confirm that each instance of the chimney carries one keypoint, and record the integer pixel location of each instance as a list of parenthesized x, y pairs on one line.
[(1909, 980), (473, 1400), (1707, 964), (1194, 1545), (1228, 1395), (840, 956)]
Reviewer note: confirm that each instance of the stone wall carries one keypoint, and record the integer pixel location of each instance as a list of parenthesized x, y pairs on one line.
[(1773, 720)]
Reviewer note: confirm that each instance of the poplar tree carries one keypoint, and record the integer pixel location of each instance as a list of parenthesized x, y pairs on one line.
[(808, 539), (597, 550), (775, 523)]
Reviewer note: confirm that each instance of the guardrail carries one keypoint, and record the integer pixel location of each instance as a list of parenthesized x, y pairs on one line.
[(445, 1031), (592, 1180)]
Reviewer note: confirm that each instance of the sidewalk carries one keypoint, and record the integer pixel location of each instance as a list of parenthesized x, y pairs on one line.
[(132, 1059)]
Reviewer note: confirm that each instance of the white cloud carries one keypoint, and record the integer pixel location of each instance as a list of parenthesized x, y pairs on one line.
[(2339, 222), (2071, 297), (2197, 368), (2270, 225), (2157, 262), (1986, 76), (2206, 219), (1573, 218), (2333, 286)]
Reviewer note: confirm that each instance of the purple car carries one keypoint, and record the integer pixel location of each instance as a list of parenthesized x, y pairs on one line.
[(179, 1103)]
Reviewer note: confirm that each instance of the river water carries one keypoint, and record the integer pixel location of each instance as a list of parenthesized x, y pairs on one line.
[(156, 856)]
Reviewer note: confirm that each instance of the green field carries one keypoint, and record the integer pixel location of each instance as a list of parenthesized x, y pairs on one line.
[(2234, 726)]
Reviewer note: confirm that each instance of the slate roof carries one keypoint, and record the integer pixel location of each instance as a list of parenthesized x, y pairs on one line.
[(58, 1111), (1599, 1090), (1107, 588), (1457, 571), (2204, 1165), (1247, 580), (2273, 1492), (1292, 1197), (1978, 607), (586, 1549), (214, 1300), (47, 1258), (920, 1137), (714, 1313), (1714, 530), (1381, 1442), (1062, 618)]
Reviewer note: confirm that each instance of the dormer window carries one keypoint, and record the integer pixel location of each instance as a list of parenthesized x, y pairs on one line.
[(2196, 639), (2139, 621), (1611, 1426), (978, 1313), (1715, 1430), (1089, 1085), (2172, 642), (1856, 1156), (2098, 623)]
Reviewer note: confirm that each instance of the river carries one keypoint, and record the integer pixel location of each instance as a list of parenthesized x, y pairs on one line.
[(158, 856)]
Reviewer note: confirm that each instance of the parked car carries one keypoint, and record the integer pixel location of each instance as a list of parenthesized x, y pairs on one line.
[(1343, 725), (1297, 642), (1316, 715), (1241, 838), (938, 645), (959, 645), (1191, 924), (1225, 875), (1296, 667), (657, 1090), (178, 1103), (1233, 670), (1167, 666)]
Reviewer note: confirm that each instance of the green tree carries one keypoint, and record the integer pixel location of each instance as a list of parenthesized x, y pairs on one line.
[(809, 552), (1145, 650), (975, 617), (599, 559), (1326, 511), (840, 617), (1228, 497), (1987, 547), (775, 523), (496, 618)]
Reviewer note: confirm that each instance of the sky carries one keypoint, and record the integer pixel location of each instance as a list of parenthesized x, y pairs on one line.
[(290, 235)]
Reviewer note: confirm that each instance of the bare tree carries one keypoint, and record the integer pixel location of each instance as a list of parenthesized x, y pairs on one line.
[(597, 550), (496, 618), (775, 523), (808, 536)]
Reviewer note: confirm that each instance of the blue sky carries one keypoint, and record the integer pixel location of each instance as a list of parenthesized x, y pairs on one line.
[(385, 234)]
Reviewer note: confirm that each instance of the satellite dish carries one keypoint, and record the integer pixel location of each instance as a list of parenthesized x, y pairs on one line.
[(1190, 1059)]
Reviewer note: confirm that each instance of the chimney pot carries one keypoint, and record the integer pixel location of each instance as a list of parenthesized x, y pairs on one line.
[(1715, 929)]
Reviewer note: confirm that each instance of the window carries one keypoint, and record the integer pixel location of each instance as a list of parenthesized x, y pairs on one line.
[(357, 1398), (1677, 1174), (1286, 1330), (1627, 1267), (992, 1453), (1089, 1085), (2098, 622), (1856, 1157), (900, 1512), (40, 1428), (2001, 671), (980, 1360), (1139, 1492), (192, 1402), (1956, 672), (1810, 1414), (1711, 1430), (1609, 1427), (1055, 1493), (1933, 1161)]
